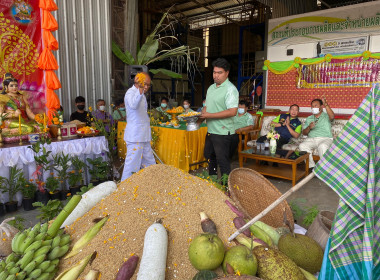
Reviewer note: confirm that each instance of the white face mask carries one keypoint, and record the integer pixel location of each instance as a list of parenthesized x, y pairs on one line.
[(241, 110), (186, 106), (102, 108), (315, 111)]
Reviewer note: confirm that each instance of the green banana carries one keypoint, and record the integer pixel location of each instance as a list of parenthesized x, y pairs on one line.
[(29, 240), (26, 259), (47, 242), (44, 265), (56, 241), (44, 228), (40, 236), (4, 274), (14, 270), (53, 266), (37, 227), (9, 266), (21, 275), (2, 265), (44, 276), (63, 250), (17, 241), (39, 259), (12, 257), (34, 246), (65, 239), (30, 267), (35, 273), (43, 250), (11, 277), (271, 231), (13, 243), (58, 252)]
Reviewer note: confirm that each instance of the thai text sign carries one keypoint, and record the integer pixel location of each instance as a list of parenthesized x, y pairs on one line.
[(342, 46), (353, 72)]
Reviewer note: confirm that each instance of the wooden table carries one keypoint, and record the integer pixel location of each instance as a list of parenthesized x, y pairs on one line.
[(287, 163)]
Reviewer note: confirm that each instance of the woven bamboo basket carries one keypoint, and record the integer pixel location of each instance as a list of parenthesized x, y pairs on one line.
[(252, 193), (320, 229)]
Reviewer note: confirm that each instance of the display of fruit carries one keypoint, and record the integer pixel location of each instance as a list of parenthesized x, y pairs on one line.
[(205, 275), (175, 110), (206, 252), (241, 260), (303, 250)]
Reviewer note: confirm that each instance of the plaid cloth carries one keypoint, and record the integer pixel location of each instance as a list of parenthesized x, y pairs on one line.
[(351, 167)]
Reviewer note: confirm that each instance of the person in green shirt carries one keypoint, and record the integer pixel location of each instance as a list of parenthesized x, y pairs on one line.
[(119, 112), (186, 106), (164, 106), (243, 121), (318, 129), (220, 109)]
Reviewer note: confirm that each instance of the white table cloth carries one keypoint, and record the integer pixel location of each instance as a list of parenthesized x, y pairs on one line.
[(23, 157)]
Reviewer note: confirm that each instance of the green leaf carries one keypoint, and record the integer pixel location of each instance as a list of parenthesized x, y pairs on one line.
[(147, 52), (126, 56), (166, 72)]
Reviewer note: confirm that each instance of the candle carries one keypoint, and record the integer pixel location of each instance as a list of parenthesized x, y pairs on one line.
[(44, 122), (19, 124)]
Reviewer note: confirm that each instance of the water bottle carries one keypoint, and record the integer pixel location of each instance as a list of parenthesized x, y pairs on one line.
[(266, 145)]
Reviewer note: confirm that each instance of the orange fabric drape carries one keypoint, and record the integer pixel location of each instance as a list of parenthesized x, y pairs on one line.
[(47, 61), (48, 5), (49, 41)]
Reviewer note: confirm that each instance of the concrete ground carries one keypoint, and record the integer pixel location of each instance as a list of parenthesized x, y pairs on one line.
[(314, 193)]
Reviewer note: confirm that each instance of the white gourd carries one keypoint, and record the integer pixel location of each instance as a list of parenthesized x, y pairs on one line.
[(89, 200), (153, 261)]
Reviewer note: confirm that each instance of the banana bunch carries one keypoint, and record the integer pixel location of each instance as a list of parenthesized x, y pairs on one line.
[(35, 255)]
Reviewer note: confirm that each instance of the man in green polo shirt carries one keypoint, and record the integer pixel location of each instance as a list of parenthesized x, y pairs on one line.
[(219, 111), (318, 129)]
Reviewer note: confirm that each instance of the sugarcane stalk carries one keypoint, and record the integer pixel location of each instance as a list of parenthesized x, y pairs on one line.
[(73, 272), (87, 237), (66, 211)]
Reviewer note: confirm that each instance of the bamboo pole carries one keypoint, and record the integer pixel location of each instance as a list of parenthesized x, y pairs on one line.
[(272, 206)]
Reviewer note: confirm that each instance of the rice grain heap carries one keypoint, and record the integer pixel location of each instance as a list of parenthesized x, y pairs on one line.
[(159, 191)]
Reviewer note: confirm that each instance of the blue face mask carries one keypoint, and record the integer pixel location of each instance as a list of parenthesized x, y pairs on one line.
[(122, 109), (164, 105), (241, 110)]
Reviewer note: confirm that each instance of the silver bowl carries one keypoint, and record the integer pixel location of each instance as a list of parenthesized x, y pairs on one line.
[(191, 123)]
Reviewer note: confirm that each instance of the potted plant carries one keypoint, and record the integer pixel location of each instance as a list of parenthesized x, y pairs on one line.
[(75, 176), (62, 163), (43, 163), (2, 209), (52, 185), (11, 185), (28, 190), (48, 211), (99, 170)]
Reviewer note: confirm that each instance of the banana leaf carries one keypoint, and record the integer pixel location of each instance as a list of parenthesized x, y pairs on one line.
[(147, 52), (126, 56), (166, 72)]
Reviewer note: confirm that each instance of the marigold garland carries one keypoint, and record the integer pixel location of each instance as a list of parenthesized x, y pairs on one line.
[(140, 77)]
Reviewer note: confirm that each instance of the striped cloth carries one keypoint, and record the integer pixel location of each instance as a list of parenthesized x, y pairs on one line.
[(351, 167)]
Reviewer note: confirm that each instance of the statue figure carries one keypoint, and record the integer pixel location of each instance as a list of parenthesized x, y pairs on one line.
[(14, 104)]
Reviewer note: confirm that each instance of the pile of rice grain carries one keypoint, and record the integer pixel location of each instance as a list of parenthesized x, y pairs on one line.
[(159, 191)]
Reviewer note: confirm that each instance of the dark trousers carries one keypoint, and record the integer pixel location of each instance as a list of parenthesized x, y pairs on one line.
[(217, 152), (280, 142), (234, 144)]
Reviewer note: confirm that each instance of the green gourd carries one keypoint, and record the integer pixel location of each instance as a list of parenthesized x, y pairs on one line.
[(205, 275)]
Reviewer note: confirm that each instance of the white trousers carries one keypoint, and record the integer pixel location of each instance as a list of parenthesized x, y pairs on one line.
[(139, 155), (322, 144)]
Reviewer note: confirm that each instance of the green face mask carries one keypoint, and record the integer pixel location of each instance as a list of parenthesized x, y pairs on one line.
[(164, 105)]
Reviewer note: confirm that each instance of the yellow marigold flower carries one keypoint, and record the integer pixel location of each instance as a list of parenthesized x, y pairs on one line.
[(90, 109), (140, 77)]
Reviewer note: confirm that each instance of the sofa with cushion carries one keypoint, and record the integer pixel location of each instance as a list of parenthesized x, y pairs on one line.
[(265, 126)]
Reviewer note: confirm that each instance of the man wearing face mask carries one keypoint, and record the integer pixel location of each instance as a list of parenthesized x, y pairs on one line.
[(164, 106), (101, 114), (80, 114), (137, 133), (318, 129), (243, 121), (203, 104), (119, 112)]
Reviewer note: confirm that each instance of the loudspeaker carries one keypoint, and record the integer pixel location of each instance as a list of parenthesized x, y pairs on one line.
[(289, 52)]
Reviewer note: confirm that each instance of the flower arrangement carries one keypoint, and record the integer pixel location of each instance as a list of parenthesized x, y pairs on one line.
[(141, 77), (273, 135), (62, 163), (76, 175), (39, 118), (57, 119), (52, 184)]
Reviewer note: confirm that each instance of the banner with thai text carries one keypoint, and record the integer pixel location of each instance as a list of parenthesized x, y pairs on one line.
[(352, 72), (342, 46), (20, 48)]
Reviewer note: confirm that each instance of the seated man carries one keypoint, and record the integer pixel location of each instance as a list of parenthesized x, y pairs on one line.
[(80, 114), (318, 129), (287, 125), (119, 112), (101, 115), (164, 106), (243, 121)]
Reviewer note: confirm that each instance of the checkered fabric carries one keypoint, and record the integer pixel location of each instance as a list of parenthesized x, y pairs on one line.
[(351, 167)]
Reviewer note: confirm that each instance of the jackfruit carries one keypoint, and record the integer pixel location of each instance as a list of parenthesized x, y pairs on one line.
[(303, 250), (274, 265)]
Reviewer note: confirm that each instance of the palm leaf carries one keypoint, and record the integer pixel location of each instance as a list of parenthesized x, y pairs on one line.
[(126, 56), (166, 72), (147, 52)]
